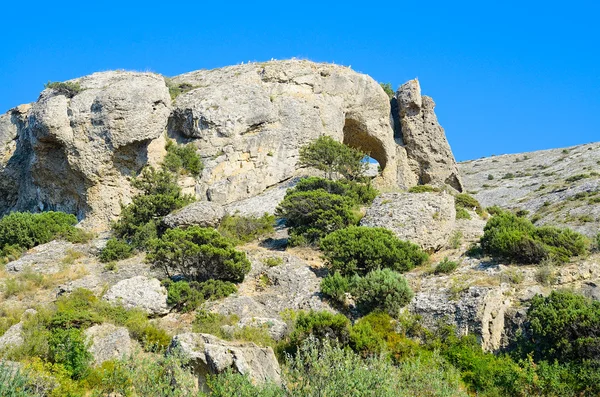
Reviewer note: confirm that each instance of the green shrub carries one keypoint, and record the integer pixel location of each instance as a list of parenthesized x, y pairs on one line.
[(183, 296), (115, 250), (360, 193), (336, 286), (68, 348), (17, 382), (243, 229), (182, 158), (332, 157), (387, 88), (462, 213), (273, 261), (514, 238), (466, 201), (67, 88), (424, 189), (198, 254), (360, 249), (314, 214), (370, 335), (445, 266), (384, 290), (563, 326), (24, 230), (160, 195), (231, 383), (577, 177), (321, 325)]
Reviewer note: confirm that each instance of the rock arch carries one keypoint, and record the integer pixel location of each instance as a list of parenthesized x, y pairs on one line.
[(356, 135)]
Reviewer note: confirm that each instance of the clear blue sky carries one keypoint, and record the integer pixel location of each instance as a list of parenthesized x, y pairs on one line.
[(507, 76)]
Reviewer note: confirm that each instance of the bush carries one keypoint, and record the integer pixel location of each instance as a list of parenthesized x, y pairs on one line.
[(336, 286), (332, 157), (322, 325), (387, 88), (314, 214), (563, 326), (184, 158), (445, 266), (360, 193), (68, 348), (243, 229), (424, 189), (384, 290), (183, 296), (115, 250), (465, 201), (24, 230), (198, 254), (360, 249), (514, 238), (67, 88), (462, 213), (160, 195), (17, 382)]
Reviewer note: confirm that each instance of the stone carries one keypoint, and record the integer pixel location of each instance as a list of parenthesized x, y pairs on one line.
[(13, 337), (140, 292), (200, 213), (429, 154), (276, 328), (426, 219), (108, 342), (45, 258), (211, 355)]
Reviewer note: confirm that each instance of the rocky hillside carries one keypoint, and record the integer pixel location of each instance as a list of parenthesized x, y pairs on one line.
[(557, 187)]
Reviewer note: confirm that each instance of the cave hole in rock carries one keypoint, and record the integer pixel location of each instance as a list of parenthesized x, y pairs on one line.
[(356, 136)]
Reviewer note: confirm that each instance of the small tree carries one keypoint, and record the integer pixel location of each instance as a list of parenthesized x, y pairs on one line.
[(384, 290), (332, 157), (199, 254)]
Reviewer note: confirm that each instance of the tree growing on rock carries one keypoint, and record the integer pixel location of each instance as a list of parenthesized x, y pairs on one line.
[(333, 158)]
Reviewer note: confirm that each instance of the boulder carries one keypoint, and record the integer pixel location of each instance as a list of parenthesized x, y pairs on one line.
[(429, 154), (140, 292), (45, 258), (108, 342), (211, 355), (426, 219), (13, 337), (200, 213)]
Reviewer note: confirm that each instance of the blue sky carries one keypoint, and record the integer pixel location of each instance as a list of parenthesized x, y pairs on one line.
[(506, 76)]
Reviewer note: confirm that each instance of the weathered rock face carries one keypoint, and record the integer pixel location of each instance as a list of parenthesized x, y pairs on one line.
[(248, 122), (13, 337), (201, 213), (210, 355), (426, 219), (429, 154), (140, 292), (74, 154), (108, 342)]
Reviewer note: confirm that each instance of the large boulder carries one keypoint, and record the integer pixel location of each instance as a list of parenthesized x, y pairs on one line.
[(108, 342), (13, 337), (426, 219), (211, 355), (201, 213), (140, 292), (429, 154)]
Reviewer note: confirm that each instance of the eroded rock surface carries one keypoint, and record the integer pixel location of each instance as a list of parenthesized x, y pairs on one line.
[(426, 219), (108, 342), (140, 292), (201, 213)]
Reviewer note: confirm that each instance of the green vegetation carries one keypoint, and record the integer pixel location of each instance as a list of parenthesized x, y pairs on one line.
[(424, 189), (578, 177), (243, 229), (359, 250), (273, 261), (67, 88), (360, 193), (445, 266), (160, 195), (177, 89), (333, 158), (387, 88), (115, 250), (384, 290), (517, 239), (465, 201), (462, 213), (312, 215), (199, 254), (20, 231), (336, 286), (182, 159), (187, 297)]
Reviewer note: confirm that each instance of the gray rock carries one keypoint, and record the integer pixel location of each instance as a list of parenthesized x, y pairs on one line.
[(200, 213), (426, 219), (427, 148), (140, 292), (108, 342), (265, 202), (45, 258), (277, 329), (13, 337), (210, 355)]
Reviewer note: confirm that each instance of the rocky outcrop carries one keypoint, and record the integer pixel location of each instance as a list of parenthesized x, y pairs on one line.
[(201, 213), (45, 258), (211, 355), (140, 292), (75, 151), (429, 154), (108, 342), (13, 337), (426, 219)]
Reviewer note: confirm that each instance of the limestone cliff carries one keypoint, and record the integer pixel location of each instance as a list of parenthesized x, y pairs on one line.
[(75, 153)]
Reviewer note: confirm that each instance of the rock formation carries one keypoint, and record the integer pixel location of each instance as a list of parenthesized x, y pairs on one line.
[(75, 151), (108, 342)]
